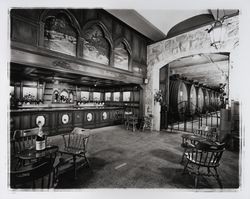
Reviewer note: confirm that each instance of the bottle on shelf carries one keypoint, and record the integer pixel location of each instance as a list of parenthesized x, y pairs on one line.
[(40, 139)]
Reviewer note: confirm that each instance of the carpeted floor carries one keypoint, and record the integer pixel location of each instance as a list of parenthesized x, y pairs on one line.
[(125, 159)]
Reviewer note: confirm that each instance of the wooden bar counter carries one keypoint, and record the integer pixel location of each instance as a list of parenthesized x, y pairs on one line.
[(59, 120)]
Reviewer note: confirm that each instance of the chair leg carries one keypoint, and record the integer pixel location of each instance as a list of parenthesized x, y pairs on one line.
[(133, 128), (74, 162), (218, 178), (196, 181), (87, 161), (127, 126), (185, 167), (183, 155)]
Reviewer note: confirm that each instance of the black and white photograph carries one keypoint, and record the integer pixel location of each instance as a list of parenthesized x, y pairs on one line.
[(145, 99)]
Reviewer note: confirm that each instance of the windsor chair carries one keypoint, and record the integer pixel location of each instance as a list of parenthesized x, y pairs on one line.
[(75, 146)]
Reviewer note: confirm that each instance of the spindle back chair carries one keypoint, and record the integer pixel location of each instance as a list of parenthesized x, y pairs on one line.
[(202, 159), (22, 140), (75, 145)]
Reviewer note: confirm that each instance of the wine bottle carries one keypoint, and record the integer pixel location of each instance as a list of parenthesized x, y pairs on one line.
[(40, 140)]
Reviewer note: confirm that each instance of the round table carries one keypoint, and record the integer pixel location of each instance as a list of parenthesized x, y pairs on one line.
[(32, 153)]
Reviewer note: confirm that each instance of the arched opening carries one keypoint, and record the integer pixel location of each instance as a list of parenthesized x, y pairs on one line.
[(96, 48), (189, 85), (59, 35), (121, 56)]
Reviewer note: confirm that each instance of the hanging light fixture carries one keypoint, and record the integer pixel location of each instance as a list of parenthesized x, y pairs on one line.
[(217, 31)]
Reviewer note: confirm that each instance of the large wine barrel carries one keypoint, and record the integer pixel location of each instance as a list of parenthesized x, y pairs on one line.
[(217, 98), (192, 99), (177, 96), (200, 99), (206, 97), (212, 98)]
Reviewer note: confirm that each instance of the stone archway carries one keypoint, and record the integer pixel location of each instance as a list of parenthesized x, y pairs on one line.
[(194, 42)]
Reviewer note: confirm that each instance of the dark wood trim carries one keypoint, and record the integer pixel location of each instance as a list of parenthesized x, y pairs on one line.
[(150, 41), (24, 19), (71, 17), (74, 65), (53, 54)]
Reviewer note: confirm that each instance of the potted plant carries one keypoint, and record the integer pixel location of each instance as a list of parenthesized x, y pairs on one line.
[(158, 96)]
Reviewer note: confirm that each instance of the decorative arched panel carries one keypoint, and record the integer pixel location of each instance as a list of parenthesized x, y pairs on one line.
[(122, 54), (55, 96), (96, 47), (64, 96), (59, 35)]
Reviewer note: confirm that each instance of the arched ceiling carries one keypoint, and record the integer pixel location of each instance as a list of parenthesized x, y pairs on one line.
[(211, 70), (155, 24)]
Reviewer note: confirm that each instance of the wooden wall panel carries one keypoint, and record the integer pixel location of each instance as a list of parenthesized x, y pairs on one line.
[(143, 52), (136, 48), (88, 14), (24, 32), (106, 20), (117, 30), (25, 29), (25, 121), (78, 118), (127, 34), (30, 14)]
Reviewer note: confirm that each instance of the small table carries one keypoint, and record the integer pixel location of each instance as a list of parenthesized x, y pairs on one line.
[(199, 139), (44, 159), (32, 153)]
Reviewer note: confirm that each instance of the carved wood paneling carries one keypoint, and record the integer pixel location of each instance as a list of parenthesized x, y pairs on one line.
[(30, 30), (24, 31)]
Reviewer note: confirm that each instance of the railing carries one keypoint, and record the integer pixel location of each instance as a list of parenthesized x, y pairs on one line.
[(185, 121)]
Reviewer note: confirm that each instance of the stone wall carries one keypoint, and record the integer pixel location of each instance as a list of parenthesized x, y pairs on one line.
[(194, 42)]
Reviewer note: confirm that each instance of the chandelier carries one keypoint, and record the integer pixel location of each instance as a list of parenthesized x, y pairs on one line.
[(217, 31)]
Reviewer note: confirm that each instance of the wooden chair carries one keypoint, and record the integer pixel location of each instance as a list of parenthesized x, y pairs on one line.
[(126, 118), (132, 122), (204, 161), (22, 140), (41, 174), (75, 146)]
